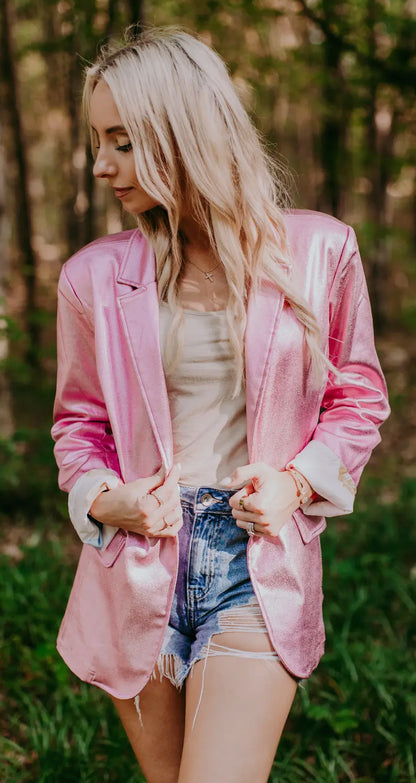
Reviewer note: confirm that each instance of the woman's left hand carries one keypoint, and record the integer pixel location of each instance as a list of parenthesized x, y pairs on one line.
[(269, 497)]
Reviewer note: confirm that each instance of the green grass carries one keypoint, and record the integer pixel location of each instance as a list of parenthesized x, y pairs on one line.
[(54, 728), (354, 720)]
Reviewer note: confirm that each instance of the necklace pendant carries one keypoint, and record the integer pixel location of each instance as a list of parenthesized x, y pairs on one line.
[(208, 276)]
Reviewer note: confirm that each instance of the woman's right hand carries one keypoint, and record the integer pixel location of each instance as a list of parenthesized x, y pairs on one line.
[(150, 506)]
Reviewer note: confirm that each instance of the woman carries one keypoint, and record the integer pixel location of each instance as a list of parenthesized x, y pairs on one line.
[(233, 338)]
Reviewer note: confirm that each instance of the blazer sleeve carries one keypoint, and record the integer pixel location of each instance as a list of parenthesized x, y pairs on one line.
[(354, 404), (84, 446)]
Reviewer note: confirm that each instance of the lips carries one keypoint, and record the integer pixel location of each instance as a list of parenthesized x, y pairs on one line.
[(120, 192)]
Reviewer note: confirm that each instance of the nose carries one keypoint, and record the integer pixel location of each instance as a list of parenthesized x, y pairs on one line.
[(103, 165)]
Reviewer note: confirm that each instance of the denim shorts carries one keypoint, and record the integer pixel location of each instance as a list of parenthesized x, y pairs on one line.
[(213, 580)]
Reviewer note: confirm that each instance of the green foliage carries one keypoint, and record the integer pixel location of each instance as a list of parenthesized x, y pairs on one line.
[(54, 729), (408, 317), (28, 474)]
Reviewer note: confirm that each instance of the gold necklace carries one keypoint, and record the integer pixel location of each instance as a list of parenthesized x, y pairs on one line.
[(207, 275)]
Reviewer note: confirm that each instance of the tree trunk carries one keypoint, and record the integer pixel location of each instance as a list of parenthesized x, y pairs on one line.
[(6, 411), (137, 15), (380, 141), (111, 17), (334, 125), (73, 220), (80, 201), (23, 213)]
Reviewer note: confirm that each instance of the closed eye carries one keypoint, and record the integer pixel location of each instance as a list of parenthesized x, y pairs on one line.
[(124, 147)]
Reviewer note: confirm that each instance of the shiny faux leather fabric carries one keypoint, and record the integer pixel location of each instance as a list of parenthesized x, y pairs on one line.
[(112, 411)]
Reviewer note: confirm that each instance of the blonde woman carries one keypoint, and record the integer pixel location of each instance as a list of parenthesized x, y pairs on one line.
[(218, 394)]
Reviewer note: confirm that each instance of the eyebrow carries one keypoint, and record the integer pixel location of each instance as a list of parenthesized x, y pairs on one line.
[(113, 129)]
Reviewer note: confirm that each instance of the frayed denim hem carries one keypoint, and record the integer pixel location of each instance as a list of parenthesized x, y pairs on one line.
[(241, 619)]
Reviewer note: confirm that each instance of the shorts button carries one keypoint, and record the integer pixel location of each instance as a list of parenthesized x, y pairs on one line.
[(207, 499)]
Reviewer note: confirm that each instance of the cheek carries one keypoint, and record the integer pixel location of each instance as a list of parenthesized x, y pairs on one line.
[(133, 180), (139, 201), (130, 171)]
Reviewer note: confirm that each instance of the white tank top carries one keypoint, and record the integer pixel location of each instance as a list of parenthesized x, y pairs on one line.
[(209, 427)]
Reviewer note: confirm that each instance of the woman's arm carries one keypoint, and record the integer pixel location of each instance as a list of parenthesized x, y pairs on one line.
[(353, 407), (85, 449), (355, 404), (81, 430)]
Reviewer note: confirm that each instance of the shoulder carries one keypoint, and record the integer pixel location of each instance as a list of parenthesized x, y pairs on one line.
[(107, 250), (315, 238), (99, 265), (306, 224)]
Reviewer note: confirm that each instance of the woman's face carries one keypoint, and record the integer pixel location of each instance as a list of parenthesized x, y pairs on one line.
[(115, 160)]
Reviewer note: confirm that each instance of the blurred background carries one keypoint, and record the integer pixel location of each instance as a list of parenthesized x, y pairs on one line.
[(331, 85)]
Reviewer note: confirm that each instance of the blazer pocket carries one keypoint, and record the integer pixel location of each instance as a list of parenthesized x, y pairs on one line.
[(309, 527), (109, 556)]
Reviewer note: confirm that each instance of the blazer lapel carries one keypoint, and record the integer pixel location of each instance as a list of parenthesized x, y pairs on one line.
[(140, 317), (263, 316)]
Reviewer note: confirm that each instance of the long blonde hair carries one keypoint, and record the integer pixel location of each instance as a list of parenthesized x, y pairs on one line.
[(193, 139)]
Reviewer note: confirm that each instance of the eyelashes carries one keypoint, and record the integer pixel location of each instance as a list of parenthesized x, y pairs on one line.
[(124, 147), (121, 148)]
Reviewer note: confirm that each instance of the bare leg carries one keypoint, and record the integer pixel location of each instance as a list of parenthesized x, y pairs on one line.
[(157, 739), (240, 717)]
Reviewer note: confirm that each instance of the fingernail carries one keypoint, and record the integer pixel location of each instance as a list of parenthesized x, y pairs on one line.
[(226, 480)]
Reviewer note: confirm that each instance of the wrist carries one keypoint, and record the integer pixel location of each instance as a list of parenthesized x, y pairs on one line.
[(96, 507), (304, 491)]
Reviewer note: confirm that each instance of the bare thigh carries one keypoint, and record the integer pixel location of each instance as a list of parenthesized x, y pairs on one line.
[(156, 737), (236, 708)]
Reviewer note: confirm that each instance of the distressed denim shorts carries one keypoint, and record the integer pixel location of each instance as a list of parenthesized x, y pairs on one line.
[(213, 583)]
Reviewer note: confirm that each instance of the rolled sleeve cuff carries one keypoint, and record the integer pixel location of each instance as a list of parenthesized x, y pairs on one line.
[(328, 477), (80, 500)]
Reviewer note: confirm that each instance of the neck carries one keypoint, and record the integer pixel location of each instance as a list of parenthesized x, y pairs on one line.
[(194, 235)]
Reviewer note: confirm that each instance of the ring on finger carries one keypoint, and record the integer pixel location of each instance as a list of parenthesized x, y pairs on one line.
[(241, 501), (250, 529)]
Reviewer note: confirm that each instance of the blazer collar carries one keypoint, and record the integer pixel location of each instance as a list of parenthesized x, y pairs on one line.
[(139, 311), (138, 263)]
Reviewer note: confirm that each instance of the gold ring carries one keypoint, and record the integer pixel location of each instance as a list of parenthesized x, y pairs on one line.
[(241, 501)]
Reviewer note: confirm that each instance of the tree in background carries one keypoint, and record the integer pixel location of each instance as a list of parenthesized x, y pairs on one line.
[(50, 209), (10, 95), (376, 41), (330, 84)]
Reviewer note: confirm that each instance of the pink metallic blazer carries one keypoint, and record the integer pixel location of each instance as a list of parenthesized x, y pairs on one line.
[(112, 411)]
